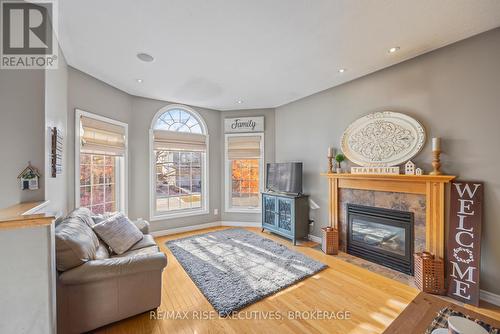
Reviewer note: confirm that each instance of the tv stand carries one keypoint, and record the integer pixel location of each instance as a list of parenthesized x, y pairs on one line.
[(286, 215)]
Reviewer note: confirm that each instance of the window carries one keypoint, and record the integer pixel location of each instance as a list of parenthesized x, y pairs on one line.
[(101, 151), (179, 163), (244, 170), (98, 174)]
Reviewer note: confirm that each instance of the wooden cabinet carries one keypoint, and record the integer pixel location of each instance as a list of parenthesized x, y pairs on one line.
[(286, 215)]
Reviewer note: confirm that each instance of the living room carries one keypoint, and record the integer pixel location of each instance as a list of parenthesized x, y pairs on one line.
[(250, 166)]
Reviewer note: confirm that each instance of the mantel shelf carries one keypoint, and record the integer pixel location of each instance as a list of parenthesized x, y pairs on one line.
[(391, 177)]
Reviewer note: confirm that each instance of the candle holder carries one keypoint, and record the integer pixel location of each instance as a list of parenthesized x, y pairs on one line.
[(436, 163), (330, 164)]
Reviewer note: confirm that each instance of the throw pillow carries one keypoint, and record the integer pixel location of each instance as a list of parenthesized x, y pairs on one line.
[(118, 232)]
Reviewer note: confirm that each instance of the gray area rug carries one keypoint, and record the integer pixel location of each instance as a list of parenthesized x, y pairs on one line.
[(234, 268)]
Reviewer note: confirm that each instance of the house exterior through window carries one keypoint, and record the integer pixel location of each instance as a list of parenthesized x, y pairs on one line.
[(179, 163)]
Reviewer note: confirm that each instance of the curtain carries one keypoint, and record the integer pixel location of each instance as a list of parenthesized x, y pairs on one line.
[(99, 137), (179, 141), (243, 147)]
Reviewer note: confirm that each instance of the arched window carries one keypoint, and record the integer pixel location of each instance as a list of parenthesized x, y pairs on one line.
[(179, 144)]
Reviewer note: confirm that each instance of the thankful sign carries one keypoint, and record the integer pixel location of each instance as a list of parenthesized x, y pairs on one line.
[(244, 124), (464, 241)]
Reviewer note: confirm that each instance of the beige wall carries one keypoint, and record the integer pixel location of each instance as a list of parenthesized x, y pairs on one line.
[(454, 92), (21, 132)]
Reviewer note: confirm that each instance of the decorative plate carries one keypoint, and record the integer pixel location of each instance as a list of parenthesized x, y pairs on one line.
[(383, 138)]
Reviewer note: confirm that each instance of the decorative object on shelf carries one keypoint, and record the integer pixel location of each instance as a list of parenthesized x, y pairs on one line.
[(339, 158), (29, 178), (56, 152), (429, 273), (419, 171), (330, 240), (375, 170), (410, 168), (436, 153), (464, 241), (330, 159), (244, 124), (383, 139)]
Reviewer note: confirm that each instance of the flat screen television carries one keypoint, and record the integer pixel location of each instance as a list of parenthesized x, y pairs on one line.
[(284, 177)]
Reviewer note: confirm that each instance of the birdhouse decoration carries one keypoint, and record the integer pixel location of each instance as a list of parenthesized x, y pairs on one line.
[(29, 178), (410, 168)]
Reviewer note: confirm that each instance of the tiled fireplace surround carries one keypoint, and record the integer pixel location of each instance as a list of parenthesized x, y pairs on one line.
[(388, 200)]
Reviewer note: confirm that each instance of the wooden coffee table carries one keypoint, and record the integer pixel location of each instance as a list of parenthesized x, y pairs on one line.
[(419, 314)]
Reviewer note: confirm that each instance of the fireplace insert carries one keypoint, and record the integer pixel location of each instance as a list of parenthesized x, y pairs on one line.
[(381, 235)]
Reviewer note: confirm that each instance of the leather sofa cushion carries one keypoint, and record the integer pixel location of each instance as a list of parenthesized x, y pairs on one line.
[(146, 241), (102, 251), (142, 225), (84, 214), (113, 268), (76, 243), (139, 252), (118, 232)]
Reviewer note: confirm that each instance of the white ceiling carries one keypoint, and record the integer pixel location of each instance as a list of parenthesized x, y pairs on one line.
[(212, 53)]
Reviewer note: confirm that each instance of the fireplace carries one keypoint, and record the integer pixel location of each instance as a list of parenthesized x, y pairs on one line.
[(382, 236)]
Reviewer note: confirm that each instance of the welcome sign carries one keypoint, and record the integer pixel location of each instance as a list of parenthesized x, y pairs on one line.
[(464, 241), (244, 124)]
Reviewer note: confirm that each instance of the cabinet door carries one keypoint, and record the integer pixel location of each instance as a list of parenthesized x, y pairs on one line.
[(285, 214), (269, 210)]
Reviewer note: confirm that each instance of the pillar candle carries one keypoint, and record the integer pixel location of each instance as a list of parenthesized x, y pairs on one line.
[(330, 152), (436, 144)]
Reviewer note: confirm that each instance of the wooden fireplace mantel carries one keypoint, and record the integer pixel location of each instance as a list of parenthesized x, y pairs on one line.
[(432, 186)]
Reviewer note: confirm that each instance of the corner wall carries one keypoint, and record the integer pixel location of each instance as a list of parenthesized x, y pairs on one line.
[(143, 111), (56, 105), (453, 91)]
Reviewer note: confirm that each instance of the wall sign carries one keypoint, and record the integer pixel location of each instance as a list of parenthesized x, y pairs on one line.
[(244, 124), (464, 241)]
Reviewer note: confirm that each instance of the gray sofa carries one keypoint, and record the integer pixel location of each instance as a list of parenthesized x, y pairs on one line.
[(96, 287)]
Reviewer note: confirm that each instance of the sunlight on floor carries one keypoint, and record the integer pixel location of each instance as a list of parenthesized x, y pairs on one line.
[(384, 316)]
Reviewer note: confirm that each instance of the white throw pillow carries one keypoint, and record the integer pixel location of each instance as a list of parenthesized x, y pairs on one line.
[(118, 232)]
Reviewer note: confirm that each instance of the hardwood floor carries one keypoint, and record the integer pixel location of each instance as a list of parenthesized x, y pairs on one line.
[(373, 301)]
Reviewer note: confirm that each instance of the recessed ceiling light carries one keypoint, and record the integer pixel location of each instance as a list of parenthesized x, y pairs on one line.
[(341, 70), (239, 101), (138, 80), (145, 57), (393, 49)]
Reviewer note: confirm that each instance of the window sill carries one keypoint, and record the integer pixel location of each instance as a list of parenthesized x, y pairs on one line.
[(234, 210), (178, 214)]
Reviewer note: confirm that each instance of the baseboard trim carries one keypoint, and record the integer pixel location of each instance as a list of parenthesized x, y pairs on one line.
[(240, 224), (184, 229), (490, 297), (176, 230), (314, 238)]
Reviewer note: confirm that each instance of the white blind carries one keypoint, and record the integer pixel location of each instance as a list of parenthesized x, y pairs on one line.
[(99, 137), (243, 147), (179, 141)]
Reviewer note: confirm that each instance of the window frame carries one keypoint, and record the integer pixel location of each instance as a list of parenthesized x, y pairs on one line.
[(122, 166), (228, 174), (205, 199)]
